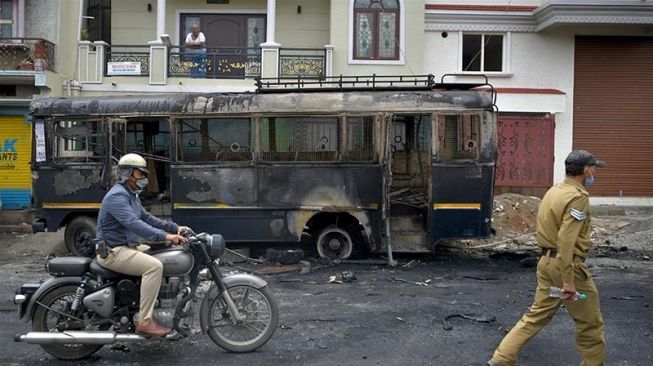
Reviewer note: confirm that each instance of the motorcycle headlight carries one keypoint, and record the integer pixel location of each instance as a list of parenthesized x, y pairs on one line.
[(215, 245)]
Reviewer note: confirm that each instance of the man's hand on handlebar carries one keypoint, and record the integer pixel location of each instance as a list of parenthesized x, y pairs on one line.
[(174, 239)]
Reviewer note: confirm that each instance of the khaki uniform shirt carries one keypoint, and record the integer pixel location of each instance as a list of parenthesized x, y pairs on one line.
[(563, 224)]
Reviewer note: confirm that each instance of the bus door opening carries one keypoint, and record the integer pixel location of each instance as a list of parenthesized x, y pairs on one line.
[(410, 154)]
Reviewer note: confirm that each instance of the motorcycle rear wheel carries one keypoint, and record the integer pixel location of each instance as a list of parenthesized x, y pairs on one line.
[(261, 318), (45, 320)]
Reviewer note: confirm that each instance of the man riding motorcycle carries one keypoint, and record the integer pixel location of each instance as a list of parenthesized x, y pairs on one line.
[(122, 222)]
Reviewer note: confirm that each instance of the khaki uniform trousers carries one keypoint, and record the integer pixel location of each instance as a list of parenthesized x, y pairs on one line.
[(590, 338), (132, 261)]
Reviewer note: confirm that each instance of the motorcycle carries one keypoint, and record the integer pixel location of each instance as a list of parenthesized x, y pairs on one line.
[(85, 306)]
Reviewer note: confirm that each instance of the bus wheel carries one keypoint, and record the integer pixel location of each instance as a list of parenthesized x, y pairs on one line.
[(79, 236), (334, 243)]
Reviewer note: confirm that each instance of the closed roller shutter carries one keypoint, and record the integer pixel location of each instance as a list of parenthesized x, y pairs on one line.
[(613, 111), (15, 156)]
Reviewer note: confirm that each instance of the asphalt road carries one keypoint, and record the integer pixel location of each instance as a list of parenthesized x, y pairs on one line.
[(388, 316)]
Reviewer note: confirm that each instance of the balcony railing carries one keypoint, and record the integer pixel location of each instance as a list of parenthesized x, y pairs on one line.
[(302, 62), (214, 63), (26, 54), (118, 55)]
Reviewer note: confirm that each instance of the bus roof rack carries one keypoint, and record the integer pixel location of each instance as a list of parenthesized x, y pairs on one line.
[(372, 82)]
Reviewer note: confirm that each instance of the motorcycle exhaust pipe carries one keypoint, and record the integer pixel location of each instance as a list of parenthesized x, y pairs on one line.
[(77, 337)]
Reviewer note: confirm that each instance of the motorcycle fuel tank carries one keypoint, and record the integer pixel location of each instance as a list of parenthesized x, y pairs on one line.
[(176, 262)]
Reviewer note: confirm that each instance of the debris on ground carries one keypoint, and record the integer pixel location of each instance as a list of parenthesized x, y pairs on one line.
[(344, 276), (478, 318), (514, 224)]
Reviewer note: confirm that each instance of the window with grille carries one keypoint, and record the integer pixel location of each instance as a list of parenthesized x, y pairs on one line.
[(215, 139), (360, 136), (78, 141), (459, 137), (302, 139)]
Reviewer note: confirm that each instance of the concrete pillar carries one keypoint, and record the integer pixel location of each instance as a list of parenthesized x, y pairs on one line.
[(158, 63), (83, 49), (20, 12), (160, 18), (100, 65), (328, 67), (269, 60), (272, 20)]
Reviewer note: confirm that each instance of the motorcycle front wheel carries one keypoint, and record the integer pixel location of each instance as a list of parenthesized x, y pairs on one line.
[(260, 316), (51, 317)]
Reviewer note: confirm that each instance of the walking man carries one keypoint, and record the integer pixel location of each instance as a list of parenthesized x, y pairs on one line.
[(563, 233)]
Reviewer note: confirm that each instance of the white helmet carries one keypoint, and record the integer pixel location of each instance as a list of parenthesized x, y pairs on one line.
[(133, 161)]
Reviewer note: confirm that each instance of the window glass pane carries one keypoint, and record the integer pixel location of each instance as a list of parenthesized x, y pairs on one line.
[(299, 139), (360, 133), (472, 52), (387, 36), (78, 140), (255, 32), (362, 4), (390, 4), (6, 9), (364, 35), (493, 52), (217, 139)]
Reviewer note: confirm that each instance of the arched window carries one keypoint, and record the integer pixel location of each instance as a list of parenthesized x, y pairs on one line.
[(376, 29)]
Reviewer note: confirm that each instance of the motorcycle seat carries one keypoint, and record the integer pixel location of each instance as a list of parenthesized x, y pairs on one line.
[(68, 266), (108, 274)]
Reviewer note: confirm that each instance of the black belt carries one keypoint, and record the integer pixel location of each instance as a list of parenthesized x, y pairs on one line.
[(552, 253)]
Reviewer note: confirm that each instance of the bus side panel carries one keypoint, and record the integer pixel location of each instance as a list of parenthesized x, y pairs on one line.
[(59, 191), (305, 190), (461, 205), (216, 199)]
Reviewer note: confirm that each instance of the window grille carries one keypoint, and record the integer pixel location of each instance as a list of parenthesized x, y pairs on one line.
[(459, 137), (81, 141), (360, 135), (302, 139), (215, 139)]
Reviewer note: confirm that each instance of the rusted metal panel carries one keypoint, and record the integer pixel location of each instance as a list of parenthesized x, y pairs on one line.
[(525, 151), (613, 109)]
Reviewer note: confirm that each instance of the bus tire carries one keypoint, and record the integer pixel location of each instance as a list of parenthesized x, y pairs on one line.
[(79, 236), (334, 243)]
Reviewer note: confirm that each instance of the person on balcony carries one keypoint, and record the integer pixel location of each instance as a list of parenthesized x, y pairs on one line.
[(195, 41)]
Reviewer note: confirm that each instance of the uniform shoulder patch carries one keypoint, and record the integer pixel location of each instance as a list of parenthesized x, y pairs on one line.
[(578, 214)]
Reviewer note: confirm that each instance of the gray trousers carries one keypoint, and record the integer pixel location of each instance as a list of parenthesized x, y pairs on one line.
[(133, 262)]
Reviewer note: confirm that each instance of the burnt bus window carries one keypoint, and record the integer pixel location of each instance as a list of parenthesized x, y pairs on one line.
[(215, 139), (360, 135), (150, 137), (299, 139), (459, 137), (78, 141)]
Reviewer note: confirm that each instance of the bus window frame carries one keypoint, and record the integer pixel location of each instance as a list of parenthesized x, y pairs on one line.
[(52, 155), (484, 139)]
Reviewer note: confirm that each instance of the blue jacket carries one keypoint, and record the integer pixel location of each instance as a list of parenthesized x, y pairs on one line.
[(123, 220)]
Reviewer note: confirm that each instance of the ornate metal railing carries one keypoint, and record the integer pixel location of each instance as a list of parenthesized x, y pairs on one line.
[(26, 54), (118, 58), (302, 62), (214, 63)]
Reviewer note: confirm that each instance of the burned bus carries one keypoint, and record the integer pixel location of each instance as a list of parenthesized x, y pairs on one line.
[(342, 166)]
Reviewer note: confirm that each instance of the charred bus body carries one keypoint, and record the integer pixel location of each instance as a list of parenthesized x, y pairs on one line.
[(345, 171)]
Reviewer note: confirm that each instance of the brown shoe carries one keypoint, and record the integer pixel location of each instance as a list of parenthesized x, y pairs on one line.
[(152, 328)]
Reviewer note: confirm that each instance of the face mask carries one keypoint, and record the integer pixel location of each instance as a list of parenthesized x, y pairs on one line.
[(141, 183), (589, 180)]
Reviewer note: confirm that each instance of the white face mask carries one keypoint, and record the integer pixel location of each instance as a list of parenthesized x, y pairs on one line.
[(589, 180)]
